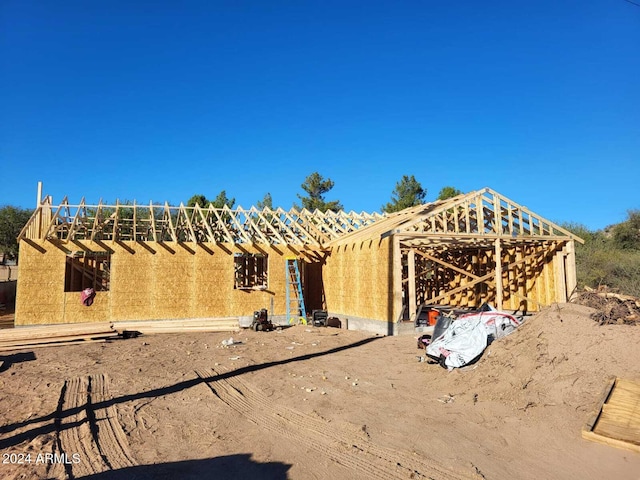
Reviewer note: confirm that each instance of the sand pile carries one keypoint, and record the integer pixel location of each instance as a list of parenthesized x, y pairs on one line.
[(559, 357)]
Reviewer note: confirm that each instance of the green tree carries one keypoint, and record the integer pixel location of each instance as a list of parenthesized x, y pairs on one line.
[(12, 220), (267, 202), (448, 192), (316, 186), (221, 200), (200, 200), (626, 235), (408, 193)]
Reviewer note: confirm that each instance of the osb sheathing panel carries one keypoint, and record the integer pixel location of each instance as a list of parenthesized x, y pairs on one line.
[(39, 295), (357, 279), (148, 281)]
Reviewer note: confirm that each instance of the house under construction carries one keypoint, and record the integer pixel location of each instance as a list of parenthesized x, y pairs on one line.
[(150, 261)]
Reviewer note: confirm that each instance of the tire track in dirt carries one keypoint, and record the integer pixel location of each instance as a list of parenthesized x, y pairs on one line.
[(94, 437), (342, 446)]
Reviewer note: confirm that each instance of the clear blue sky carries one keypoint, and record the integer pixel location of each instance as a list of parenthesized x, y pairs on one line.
[(162, 100)]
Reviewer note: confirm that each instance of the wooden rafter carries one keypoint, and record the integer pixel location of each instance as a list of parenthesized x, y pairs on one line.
[(477, 216), (169, 222)]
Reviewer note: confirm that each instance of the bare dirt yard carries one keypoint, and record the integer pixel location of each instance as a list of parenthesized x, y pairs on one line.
[(316, 403)]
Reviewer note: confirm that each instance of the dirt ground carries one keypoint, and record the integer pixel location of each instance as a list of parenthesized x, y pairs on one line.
[(317, 403)]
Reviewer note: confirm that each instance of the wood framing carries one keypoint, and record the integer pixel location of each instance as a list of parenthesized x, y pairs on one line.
[(167, 223), (157, 261), (474, 248)]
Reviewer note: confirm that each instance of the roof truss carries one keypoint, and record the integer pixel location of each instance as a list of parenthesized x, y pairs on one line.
[(474, 217), (162, 223)]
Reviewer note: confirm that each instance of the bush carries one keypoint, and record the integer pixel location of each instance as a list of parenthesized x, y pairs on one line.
[(609, 259)]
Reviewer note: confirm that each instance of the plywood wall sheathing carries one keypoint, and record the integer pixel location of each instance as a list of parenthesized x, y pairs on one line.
[(149, 280), (358, 280)]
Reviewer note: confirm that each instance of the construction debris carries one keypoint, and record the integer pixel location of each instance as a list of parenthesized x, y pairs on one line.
[(612, 308)]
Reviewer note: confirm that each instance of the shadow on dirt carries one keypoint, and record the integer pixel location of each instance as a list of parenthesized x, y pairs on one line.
[(55, 417), (230, 467), (8, 360)]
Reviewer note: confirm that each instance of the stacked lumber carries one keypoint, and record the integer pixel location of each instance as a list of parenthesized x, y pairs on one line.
[(6, 322), (54, 335), (179, 326)]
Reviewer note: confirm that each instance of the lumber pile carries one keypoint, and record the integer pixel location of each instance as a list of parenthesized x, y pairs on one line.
[(72, 334), (179, 326), (6, 322), (55, 335)]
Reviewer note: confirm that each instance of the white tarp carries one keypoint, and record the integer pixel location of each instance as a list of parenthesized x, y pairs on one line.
[(498, 324), (469, 335), (460, 343)]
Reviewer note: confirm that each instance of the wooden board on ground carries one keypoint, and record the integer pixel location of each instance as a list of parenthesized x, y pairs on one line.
[(179, 326), (616, 422), (23, 338)]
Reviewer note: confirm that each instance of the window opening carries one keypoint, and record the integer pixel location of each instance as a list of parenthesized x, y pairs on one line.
[(250, 271), (87, 270)]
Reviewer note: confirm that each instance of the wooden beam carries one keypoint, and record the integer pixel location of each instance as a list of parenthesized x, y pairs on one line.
[(308, 222), (570, 266), (479, 215), (135, 221), (252, 214), (486, 237), (462, 287), (300, 240), (280, 214), (269, 225), (187, 220), (396, 263), (220, 223), (411, 258), (94, 228), (561, 279), (58, 214), (445, 264), (497, 216), (483, 279), (152, 220), (498, 262), (210, 236), (167, 214), (114, 236), (32, 221), (240, 230)]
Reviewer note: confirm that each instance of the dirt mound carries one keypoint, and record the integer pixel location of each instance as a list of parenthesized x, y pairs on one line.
[(612, 308), (559, 357)]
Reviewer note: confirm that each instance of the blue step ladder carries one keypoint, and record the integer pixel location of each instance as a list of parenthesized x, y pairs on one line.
[(296, 312)]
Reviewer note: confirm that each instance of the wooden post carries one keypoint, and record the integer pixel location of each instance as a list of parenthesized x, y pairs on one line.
[(39, 199), (498, 260), (561, 279), (570, 267), (411, 257), (397, 280), (39, 220)]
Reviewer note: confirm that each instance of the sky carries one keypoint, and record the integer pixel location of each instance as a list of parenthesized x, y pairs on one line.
[(160, 100)]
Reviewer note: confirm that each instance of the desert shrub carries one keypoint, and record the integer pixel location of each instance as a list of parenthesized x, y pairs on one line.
[(609, 259)]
